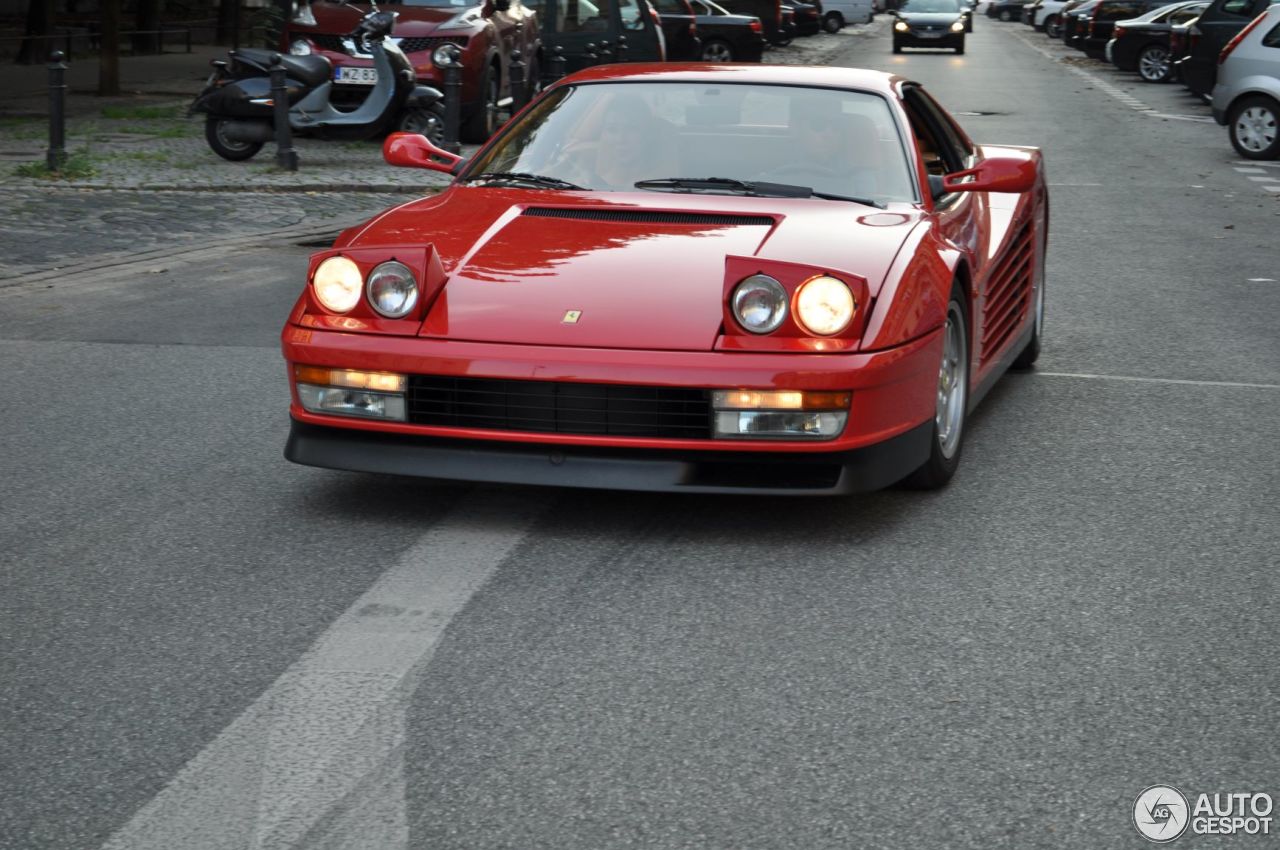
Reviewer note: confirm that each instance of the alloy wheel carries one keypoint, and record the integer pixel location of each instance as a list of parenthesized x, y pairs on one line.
[(717, 51), (1153, 64), (1255, 128), (952, 385)]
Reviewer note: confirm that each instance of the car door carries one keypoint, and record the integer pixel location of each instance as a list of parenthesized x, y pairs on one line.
[(964, 220)]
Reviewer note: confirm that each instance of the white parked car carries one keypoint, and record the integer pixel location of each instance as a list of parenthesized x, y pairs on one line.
[(1246, 97), (837, 13)]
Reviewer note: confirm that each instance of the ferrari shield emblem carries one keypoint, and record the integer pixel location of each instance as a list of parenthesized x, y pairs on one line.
[(571, 317)]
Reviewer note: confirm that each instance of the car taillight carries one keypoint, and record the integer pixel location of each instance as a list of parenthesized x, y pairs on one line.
[(755, 25), (693, 30), (653, 13), (1239, 37), (1119, 31)]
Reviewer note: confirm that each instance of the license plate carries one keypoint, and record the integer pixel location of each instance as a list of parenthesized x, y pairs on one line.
[(931, 35), (356, 76)]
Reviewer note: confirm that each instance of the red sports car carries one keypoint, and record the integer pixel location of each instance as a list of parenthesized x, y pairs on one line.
[(638, 284)]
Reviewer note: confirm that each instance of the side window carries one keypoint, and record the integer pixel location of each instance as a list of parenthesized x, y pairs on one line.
[(931, 150), (583, 16), (956, 149), (671, 7), (631, 12), (1239, 8), (1272, 39)]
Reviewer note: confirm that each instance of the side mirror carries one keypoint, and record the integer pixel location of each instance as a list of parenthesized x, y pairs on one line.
[(411, 150), (994, 174)]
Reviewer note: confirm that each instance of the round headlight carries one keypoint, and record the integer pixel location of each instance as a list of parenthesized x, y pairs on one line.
[(446, 55), (337, 284), (958, 26), (824, 306), (392, 290), (901, 26), (760, 304), (300, 47)]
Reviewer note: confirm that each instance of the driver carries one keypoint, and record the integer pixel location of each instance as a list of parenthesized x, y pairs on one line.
[(629, 146), (833, 151)]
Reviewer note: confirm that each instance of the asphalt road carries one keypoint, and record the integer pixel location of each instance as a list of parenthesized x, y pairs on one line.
[(202, 645)]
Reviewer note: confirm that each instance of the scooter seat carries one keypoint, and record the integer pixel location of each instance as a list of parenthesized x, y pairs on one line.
[(309, 70)]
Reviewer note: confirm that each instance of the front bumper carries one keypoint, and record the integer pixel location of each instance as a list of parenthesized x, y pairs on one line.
[(945, 40), (893, 394), (599, 467)]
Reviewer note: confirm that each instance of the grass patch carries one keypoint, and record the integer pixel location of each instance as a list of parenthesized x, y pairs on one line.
[(143, 156), (78, 166), (141, 113)]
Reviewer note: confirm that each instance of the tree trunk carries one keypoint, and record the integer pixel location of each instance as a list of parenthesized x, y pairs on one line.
[(109, 58), (39, 23), (228, 21), (148, 19)]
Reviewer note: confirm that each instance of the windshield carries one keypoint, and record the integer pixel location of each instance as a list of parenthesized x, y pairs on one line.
[(610, 136), (929, 6)]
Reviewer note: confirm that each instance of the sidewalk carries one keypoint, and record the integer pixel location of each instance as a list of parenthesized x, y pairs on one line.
[(142, 140)]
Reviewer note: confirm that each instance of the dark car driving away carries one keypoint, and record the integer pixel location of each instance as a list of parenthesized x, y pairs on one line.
[(929, 23)]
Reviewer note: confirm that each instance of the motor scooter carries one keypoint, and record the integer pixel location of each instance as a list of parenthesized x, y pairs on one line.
[(237, 96)]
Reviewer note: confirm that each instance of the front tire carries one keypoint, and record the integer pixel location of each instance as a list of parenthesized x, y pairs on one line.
[(832, 23), (717, 50), (960, 47), (1153, 64), (428, 122), (897, 48), (1254, 127), (228, 149), (1053, 27), (951, 411)]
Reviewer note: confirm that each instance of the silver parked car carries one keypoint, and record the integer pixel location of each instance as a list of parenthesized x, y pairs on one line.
[(1246, 97)]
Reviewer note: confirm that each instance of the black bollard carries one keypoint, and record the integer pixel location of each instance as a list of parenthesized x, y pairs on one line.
[(621, 49), (286, 156), (606, 53), (557, 63), (57, 154), (590, 54), (449, 58), (519, 86)]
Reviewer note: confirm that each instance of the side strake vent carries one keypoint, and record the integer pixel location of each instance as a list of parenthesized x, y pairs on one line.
[(648, 216), (1008, 294)]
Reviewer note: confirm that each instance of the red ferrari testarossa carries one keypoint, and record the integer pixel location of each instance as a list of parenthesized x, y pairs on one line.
[(699, 278)]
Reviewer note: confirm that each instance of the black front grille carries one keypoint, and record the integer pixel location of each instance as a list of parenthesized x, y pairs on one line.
[(647, 216), (560, 407)]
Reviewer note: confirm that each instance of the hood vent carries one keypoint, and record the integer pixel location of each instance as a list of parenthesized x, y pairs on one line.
[(648, 216)]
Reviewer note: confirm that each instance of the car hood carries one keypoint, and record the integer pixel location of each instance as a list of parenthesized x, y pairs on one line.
[(641, 270), (929, 18)]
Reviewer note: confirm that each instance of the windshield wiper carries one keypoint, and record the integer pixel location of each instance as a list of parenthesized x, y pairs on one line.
[(523, 177), (754, 188)]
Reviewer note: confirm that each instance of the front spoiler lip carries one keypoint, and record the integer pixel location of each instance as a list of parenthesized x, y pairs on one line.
[(649, 470)]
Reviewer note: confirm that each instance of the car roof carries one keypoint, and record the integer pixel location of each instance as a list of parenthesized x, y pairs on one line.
[(709, 72)]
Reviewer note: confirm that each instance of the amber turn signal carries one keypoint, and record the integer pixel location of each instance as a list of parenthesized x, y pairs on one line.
[(383, 382)]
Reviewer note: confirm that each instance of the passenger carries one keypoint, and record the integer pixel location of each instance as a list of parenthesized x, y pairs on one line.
[(630, 145)]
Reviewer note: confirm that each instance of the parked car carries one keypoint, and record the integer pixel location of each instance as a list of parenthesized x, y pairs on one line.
[(1046, 15), (571, 25), (928, 23), (1179, 44), (579, 291), (1102, 22), (1217, 25), (808, 16), (1005, 10), (487, 33), (1246, 97), (1075, 24), (770, 14), (679, 30), (1142, 44), (727, 37), (837, 14)]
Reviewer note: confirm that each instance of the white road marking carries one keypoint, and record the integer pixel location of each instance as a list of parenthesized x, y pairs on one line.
[(1262, 280), (1135, 379), (1253, 163), (317, 760), (1265, 179), (1251, 170), (1275, 188)]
